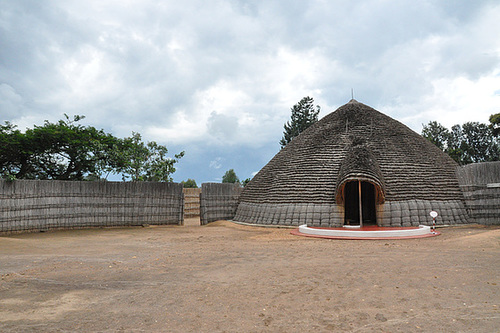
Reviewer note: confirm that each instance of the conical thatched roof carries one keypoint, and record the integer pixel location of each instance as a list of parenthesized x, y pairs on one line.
[(355, 142)]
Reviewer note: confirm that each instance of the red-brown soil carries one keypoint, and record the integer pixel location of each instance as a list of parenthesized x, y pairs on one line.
[(226, 277)]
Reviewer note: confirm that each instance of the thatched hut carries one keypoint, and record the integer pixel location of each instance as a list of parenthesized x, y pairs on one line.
[(355, 166)]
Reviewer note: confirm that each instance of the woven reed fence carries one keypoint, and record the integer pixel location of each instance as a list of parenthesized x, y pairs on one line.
[(480, 183), (191, 202), (35, 205), (218, 201)]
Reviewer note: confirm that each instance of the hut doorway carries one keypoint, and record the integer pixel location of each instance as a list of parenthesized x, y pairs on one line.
[(356, 212)]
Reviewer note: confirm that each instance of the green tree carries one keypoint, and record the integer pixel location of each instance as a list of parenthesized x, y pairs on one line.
[(230, 177), (190, 183), (454, 144), (436, 133), (471, 143), (64, 150), (146, 161), (14, 155), (246, 181), (477, 143), (67, 150), (495, 124), (304, 114)]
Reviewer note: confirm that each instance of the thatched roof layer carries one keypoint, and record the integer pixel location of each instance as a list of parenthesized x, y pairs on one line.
[(355, 142)]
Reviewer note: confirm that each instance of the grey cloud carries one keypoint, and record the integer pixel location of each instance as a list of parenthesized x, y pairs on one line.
[(222, 127), (11, 103)]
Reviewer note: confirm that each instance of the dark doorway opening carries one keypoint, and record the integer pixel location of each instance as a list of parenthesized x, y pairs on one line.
[(352, 207)]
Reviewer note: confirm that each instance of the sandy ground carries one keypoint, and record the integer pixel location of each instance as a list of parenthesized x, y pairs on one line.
[(231, 278)]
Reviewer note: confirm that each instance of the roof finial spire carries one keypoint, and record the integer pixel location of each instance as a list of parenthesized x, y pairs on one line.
[(352, 97)]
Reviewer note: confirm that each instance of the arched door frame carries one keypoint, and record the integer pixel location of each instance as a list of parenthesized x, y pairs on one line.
[(378, 196)]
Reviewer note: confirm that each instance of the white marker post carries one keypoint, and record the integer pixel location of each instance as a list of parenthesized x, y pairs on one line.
[(433, 214)]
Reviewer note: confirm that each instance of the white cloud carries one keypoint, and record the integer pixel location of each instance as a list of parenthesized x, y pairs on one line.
[(458, 100), (216, 163)]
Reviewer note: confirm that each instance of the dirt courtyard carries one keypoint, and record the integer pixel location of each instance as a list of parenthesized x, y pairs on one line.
[(226, 277)]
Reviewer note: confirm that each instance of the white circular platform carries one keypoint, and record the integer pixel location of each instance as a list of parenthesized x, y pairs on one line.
[(355, 232)]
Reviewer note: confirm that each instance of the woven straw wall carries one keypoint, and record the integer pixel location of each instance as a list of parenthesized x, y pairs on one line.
[(390, 214), (34, 205), (218, 201), (480, 183)]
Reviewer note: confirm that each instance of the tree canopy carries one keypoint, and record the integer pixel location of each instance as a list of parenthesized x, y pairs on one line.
[(230, 177), (67, 150), (304, 114), (190, 183), (495, 124), (471, 142), (146, 161)]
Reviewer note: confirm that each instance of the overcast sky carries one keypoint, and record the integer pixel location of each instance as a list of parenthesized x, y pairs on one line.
[(217, 78)]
